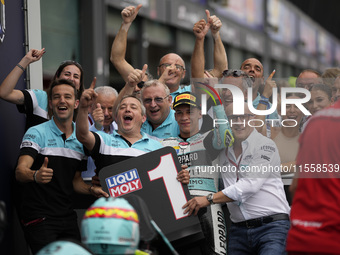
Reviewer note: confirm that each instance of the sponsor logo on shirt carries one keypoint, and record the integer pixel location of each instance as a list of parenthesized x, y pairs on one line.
[(248, 158), (52, 142), (188, 158), (29, 136), (265, 157), (124, 183), (267, 148), (26, 144)]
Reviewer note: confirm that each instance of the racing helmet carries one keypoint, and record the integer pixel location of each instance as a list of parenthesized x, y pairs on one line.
[(65, 247), (111, 226)]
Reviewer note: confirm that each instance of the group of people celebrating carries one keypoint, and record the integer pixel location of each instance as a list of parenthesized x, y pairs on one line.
[(72, 131)]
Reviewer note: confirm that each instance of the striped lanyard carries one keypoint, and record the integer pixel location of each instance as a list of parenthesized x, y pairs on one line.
[(234, 164)]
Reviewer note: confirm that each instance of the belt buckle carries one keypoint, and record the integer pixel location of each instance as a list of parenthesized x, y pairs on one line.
[(249, 226)]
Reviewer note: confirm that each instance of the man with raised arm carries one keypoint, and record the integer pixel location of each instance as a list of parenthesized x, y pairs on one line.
[(118, 49), (101, 118), (126, 142), (200, 30), (171, 68)]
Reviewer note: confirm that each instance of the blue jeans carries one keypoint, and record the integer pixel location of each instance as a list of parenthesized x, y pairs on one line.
[(267, 239)]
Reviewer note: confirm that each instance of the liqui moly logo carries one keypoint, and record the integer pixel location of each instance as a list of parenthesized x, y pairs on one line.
[(124, 183)]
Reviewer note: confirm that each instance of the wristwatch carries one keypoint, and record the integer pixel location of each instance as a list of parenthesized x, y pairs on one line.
[(210, 198)]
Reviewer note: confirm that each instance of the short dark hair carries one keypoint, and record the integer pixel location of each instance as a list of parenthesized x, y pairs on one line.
[(61, 82)]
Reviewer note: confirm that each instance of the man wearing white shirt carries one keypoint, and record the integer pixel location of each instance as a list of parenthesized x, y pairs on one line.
[(253, 191)]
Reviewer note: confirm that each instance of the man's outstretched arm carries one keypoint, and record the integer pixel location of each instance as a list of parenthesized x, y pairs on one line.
[(118, 49)]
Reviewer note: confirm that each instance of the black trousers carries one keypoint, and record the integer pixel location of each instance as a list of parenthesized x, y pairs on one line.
[(44, 231)]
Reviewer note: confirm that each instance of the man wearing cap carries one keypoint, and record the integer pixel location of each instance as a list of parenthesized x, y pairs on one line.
[(196, 150)]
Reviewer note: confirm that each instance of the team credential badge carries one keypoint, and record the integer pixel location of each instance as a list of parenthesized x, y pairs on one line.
[(2, 20), (124, 183)]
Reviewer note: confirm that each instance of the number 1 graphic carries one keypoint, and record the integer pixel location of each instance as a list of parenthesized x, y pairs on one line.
[(173, 187)]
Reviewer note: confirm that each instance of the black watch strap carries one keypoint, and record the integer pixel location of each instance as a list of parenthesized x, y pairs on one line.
[(210, 198)]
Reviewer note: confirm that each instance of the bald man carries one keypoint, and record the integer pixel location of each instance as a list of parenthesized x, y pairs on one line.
[(171, 68)]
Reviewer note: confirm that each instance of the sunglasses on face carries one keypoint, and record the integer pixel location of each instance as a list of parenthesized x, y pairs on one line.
[(140, 84), (234, 73), (178, 67)]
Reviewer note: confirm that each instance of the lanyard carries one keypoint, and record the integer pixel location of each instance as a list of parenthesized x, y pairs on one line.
[(236, 165)]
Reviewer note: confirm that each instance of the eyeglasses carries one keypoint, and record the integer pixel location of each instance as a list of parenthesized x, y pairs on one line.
[(158, 100), (178, 67), (234, 73), (241, 117)]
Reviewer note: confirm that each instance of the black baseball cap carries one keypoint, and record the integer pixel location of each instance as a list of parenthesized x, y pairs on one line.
[(186, 98)]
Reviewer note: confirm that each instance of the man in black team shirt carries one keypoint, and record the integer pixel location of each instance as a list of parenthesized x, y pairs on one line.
[(126, 142), (49, 166)]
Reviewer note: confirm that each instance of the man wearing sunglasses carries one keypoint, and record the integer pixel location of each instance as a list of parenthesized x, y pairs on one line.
[(254, 68), (253, 191), (171, 68)]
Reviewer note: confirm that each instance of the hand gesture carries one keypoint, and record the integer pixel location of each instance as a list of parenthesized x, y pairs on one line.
[(269, 85), (183, 176), (98, 191), (98, 117), (129, 13), (44, 174), (34, 55), (89, 96), (201, 27), (215, 24), (136, 76), (167, 74)]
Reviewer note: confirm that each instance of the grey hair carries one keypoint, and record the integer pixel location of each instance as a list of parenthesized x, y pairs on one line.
[(127, 96), (155, 83), (107, 90)]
